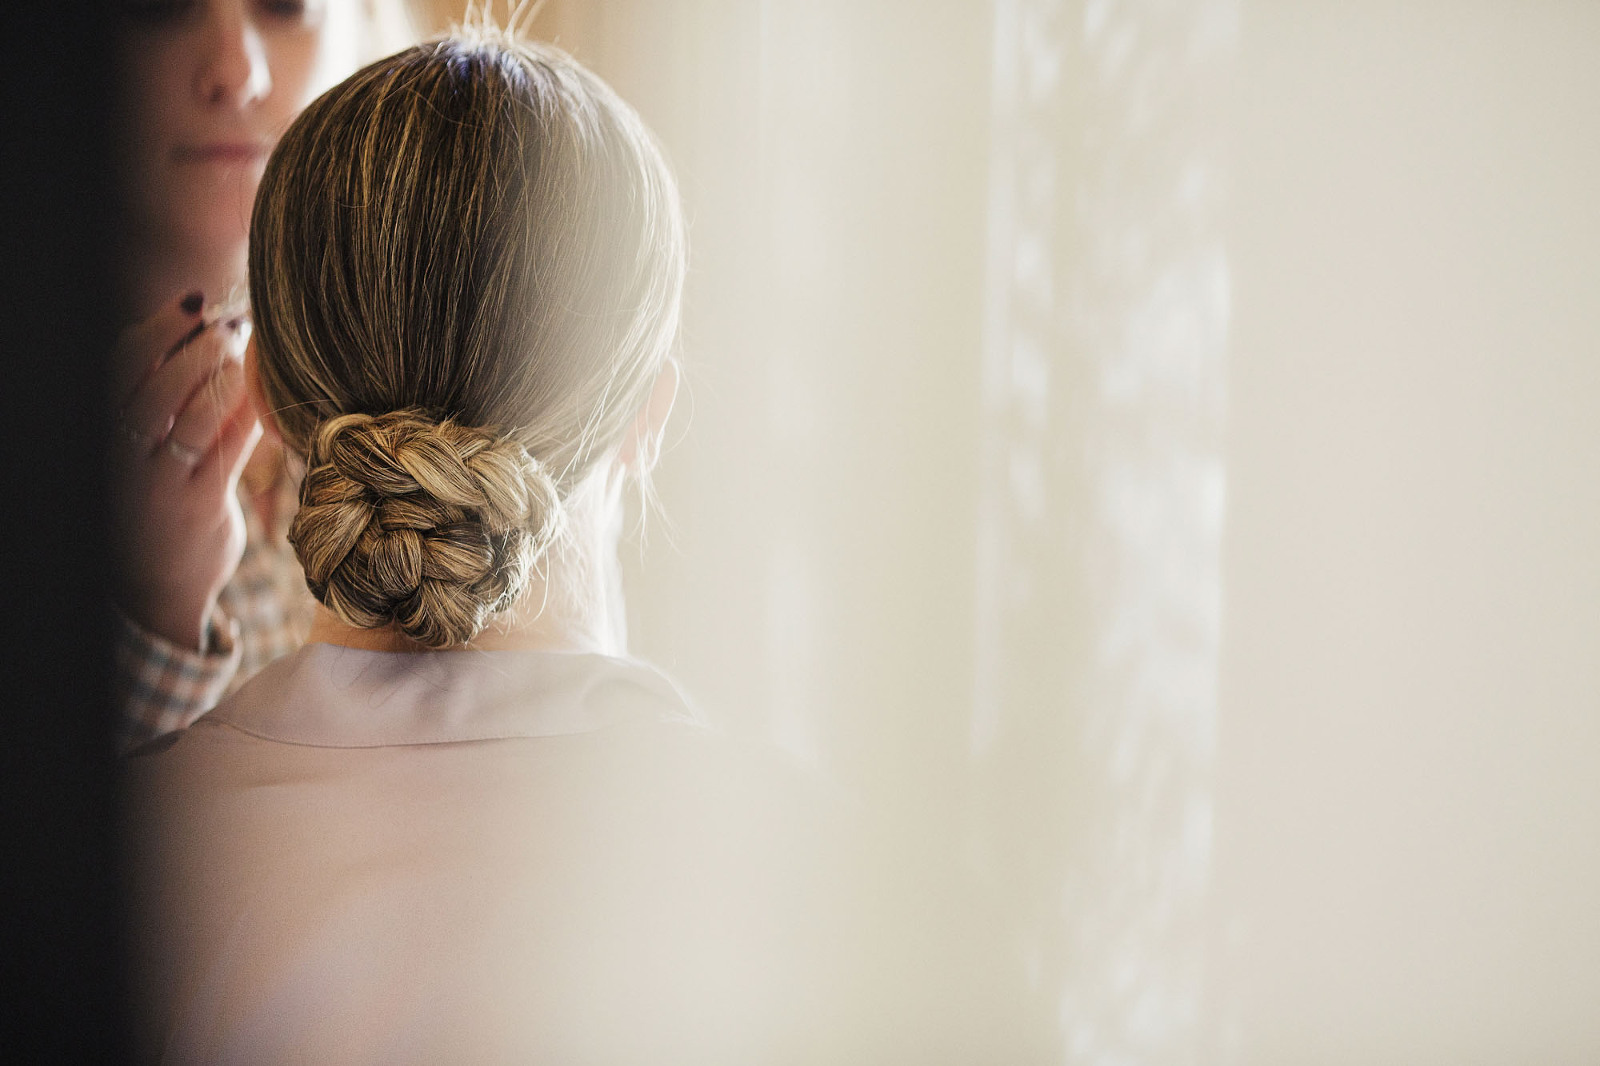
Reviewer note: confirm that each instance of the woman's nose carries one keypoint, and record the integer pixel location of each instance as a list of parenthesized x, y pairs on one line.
[(233, 70)]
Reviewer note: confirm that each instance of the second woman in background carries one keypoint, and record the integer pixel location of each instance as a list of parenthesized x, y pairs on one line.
[(208, 590)]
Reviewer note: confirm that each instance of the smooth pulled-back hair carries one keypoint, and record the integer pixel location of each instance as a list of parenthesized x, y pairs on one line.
[(466, 263)]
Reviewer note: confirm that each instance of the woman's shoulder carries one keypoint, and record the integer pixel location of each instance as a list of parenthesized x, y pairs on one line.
[(688, 884)]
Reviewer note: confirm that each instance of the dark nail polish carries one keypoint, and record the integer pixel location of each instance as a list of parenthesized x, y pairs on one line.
[(193, 302)]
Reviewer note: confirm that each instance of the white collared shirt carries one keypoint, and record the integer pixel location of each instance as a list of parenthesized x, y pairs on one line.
[(510, 856), (454, 857)]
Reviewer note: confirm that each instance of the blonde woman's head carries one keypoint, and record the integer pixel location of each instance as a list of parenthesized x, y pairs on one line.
[(465, 269)]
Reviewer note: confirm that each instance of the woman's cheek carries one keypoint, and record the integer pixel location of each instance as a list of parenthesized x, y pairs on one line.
[(329, 52), (146, 117)]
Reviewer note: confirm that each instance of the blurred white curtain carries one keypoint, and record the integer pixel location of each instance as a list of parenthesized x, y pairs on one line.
[(1101, 503)]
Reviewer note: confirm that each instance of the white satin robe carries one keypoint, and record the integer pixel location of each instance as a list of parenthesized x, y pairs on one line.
[(510, 857)]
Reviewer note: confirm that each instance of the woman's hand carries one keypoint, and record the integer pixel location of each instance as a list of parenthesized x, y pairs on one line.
[(185, 433)]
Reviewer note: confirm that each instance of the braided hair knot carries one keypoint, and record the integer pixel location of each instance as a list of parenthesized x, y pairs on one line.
[(422, 522)]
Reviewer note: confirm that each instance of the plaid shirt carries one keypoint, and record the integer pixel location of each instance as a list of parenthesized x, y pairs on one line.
[(262, 613)]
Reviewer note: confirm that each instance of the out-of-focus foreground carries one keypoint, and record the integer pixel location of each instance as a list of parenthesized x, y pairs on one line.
[(1153, 449)]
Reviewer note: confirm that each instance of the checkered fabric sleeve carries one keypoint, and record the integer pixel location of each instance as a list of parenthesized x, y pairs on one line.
[(161, 686)]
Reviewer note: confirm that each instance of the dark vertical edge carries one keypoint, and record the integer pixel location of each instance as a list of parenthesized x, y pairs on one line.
[(61, 936)]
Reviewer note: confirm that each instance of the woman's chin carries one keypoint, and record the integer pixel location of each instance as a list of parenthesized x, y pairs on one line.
[(203, 212), (213, 233)]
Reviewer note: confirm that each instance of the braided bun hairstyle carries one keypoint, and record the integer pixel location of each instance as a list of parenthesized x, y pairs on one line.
[(429, 525), (466, 263)]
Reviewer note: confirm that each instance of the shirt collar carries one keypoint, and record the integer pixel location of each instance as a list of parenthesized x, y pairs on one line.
[(327, 695)]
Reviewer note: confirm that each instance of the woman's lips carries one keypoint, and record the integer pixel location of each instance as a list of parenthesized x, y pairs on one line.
[(221, 152)]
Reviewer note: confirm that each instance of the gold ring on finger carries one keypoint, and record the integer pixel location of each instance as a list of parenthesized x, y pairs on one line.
[(190, 457)]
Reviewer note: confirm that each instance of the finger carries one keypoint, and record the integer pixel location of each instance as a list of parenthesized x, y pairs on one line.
[(144, 345), (225, 462), (154, 405), (212, 405)]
